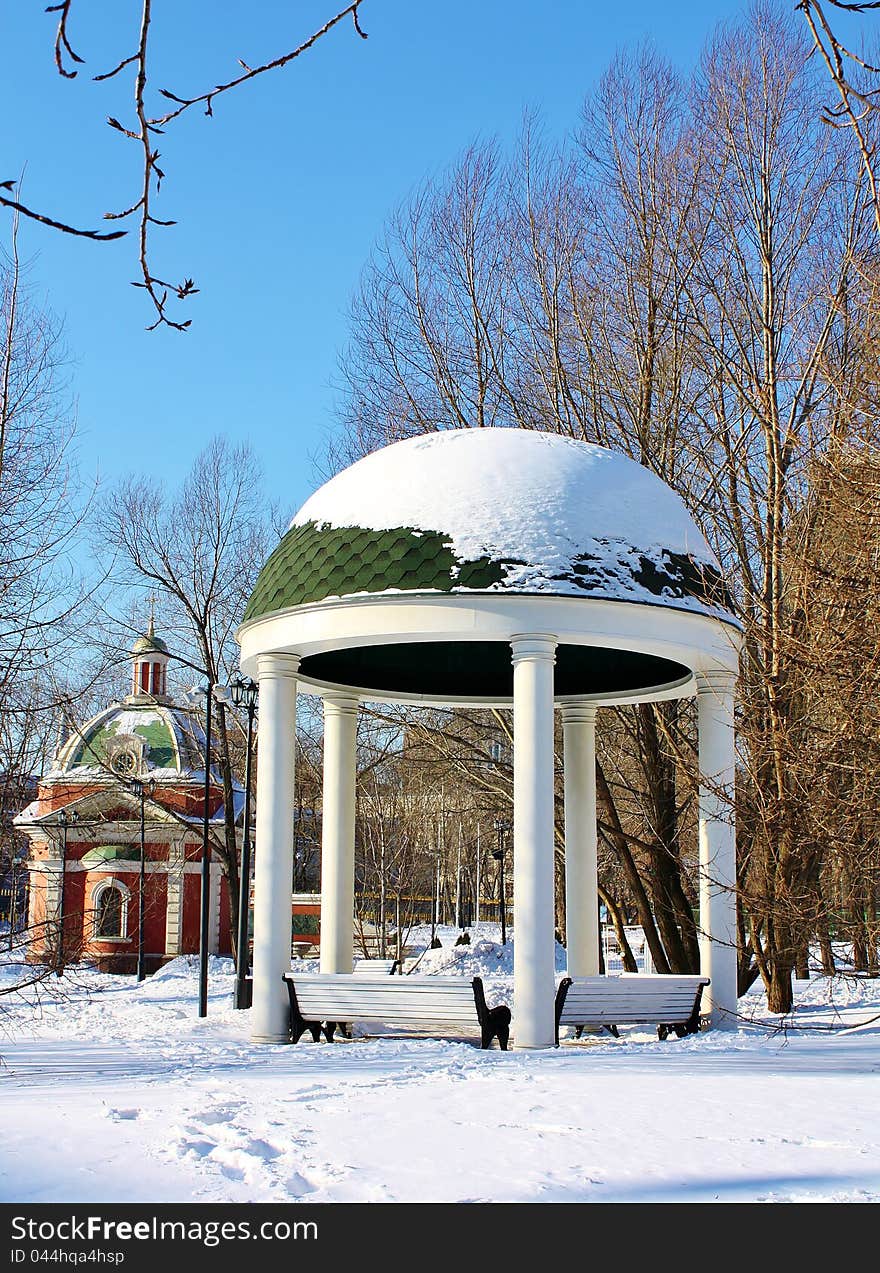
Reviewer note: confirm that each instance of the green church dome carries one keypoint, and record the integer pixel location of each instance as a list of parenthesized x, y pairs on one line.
[(149, 644), (129, 739)]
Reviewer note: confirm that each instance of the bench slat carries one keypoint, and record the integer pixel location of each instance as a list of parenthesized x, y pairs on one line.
[(379, 979), (648, 999), (655, 1004), (334, 1003), (347, 1008)]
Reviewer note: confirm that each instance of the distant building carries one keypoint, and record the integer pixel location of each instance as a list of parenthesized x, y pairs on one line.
[(84, 833)]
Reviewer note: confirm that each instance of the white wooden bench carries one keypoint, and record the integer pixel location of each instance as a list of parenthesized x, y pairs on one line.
[(367, 966), (320, 1002), (669, 1001)]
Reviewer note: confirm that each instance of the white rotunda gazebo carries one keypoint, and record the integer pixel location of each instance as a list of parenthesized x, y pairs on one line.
[(490, 567)]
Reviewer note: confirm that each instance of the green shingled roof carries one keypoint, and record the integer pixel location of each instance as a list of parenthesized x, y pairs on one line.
[(313, 562)]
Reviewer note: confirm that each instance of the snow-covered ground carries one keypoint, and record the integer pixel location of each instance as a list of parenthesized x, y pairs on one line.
[(115, 1092)]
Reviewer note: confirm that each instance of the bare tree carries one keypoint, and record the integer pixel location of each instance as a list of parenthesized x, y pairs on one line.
[(41, 514), (692, 285), (200, 549)]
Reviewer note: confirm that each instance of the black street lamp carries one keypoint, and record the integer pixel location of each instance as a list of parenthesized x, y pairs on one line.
[(141, 789), (501, 826), (13, 902), (196, 696), (244, 693)]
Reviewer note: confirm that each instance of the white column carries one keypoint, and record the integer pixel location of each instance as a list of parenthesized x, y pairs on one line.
[(718, 955), (174, 902), (581, 840), (337, 833), (273, 859), (533, 902), (214, 910)]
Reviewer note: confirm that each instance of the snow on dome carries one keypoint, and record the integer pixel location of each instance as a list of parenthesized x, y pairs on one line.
[(128, 739), (494, 510)]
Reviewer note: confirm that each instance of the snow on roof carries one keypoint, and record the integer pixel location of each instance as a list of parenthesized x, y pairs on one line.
[(507, 491), (172, 738), (555, 514)]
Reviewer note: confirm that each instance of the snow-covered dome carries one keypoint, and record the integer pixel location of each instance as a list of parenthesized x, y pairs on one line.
[(135, 739), (494, 510)]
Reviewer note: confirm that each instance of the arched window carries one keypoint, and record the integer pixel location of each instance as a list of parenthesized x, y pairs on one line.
[(110, 908)]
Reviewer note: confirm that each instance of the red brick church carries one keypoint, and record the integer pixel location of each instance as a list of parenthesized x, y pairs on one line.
[(84, 828)]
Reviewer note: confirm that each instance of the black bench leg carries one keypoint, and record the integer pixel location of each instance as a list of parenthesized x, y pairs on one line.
[(297, 1024), (299, 1027), (496, 1024), (680, 1028), (328, 1029)]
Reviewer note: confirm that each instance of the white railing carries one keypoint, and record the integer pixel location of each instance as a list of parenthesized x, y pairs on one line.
[(635, 935)]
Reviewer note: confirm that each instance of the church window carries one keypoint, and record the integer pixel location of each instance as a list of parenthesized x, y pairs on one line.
[(125, 763), (109, 902)]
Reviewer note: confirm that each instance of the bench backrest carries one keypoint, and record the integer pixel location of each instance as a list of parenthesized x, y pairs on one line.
[(368, 966), (636, 998), (337, 997)]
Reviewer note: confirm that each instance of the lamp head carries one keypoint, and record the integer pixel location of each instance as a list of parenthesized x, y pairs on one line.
[(244, 691)]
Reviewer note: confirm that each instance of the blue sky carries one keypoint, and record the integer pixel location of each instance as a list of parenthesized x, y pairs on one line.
[(279, 197)]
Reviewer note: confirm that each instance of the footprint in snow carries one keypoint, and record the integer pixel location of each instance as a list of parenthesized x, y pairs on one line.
[(297, 1185), (263, 1149), (197, 1148), (219, 1114), (123, 1115)]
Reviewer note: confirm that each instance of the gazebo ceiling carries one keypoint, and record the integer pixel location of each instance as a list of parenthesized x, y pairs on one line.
[(482, 670)]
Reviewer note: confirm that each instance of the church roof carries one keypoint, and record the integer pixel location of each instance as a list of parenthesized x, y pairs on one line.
[(149, 642), (131, 739)]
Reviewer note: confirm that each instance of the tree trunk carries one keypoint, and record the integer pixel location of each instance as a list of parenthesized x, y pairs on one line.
[(618, 921), (826, 951), (636, 887)]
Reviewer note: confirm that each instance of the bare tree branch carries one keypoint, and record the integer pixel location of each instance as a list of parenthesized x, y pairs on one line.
[(149, 126)]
